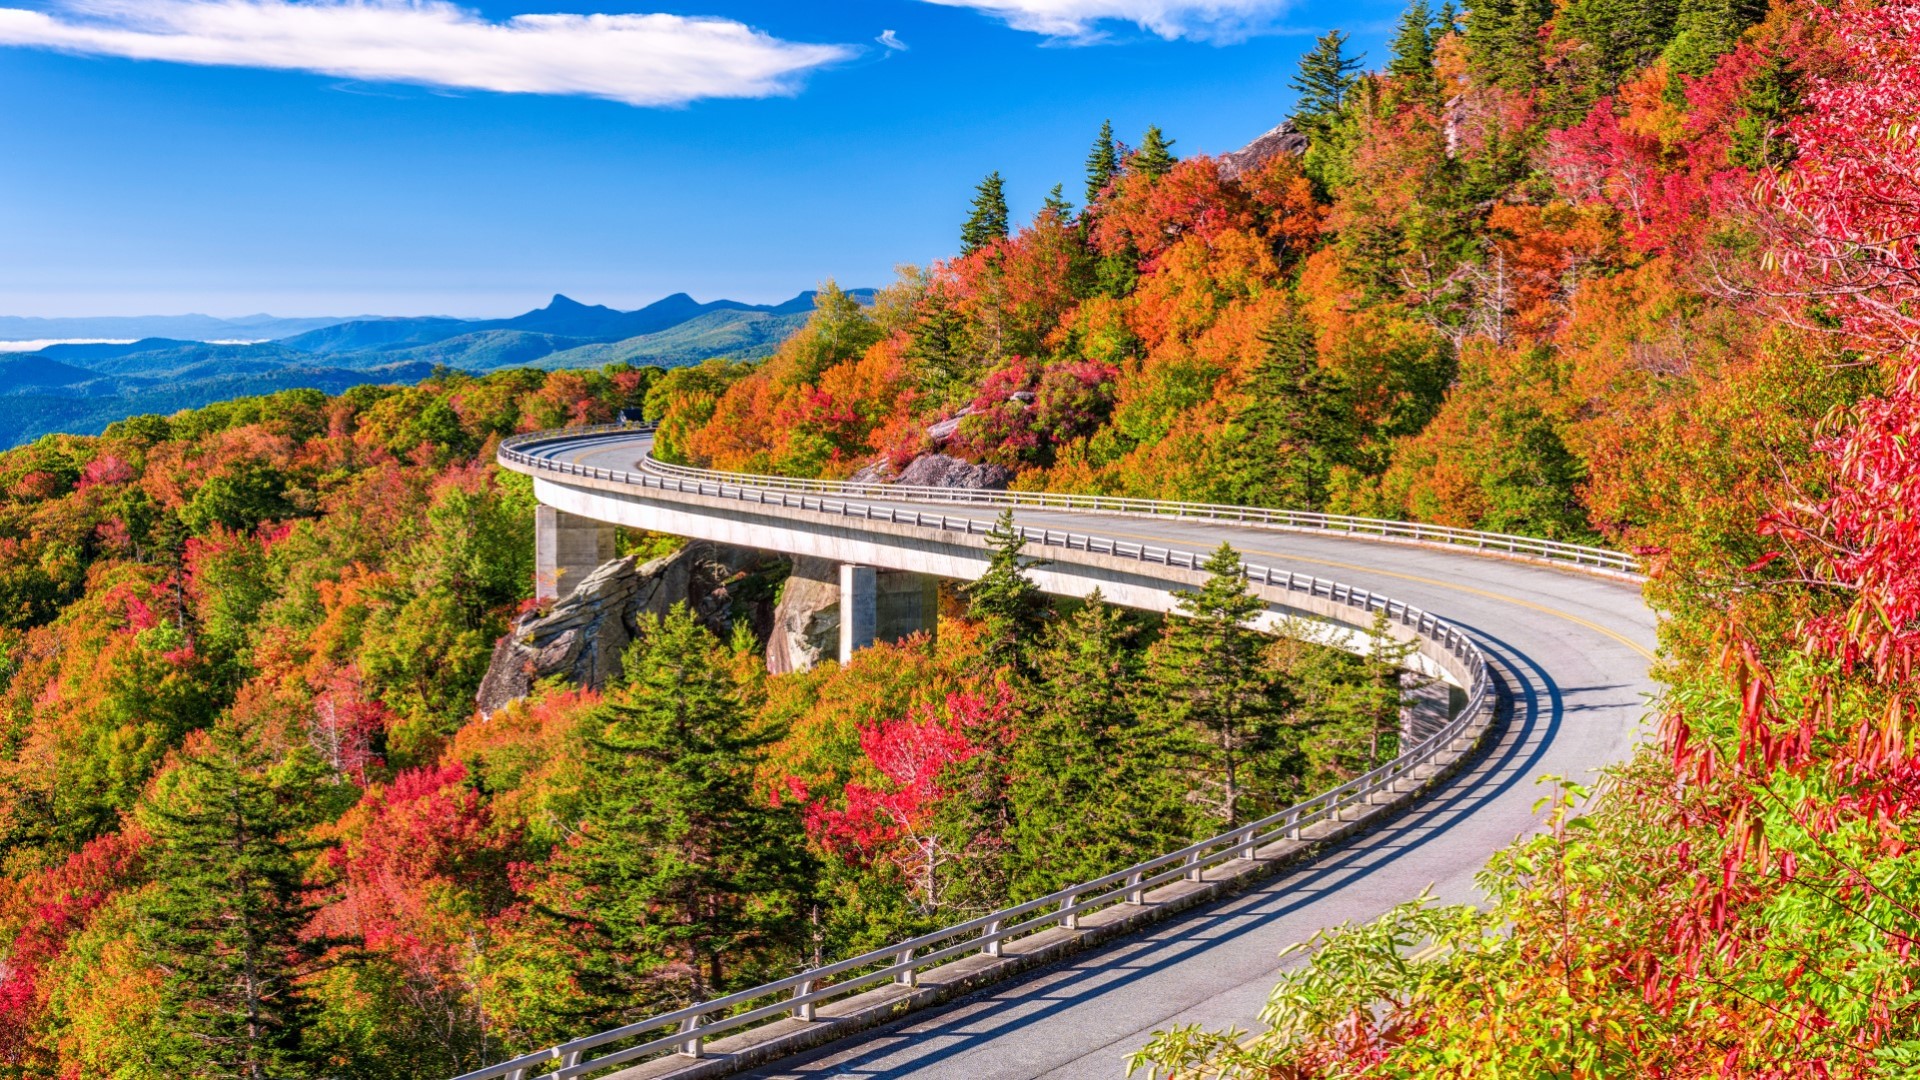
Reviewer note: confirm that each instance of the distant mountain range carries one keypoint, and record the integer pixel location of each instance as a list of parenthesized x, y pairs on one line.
[(187, 327), (81, 388)]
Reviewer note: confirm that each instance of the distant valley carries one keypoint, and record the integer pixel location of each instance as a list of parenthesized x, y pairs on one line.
[(81, 388)]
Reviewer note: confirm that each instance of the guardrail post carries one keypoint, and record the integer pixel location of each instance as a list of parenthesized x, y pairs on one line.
[(992, 947), (907, 977), (1193, 867), (1069, 918), (571, 1058), (694, 1047), (804, 1010), (1246, 838), (1135, 894)]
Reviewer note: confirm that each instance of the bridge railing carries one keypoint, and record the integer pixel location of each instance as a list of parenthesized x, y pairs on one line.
[(1580, 555), (685, 1031)]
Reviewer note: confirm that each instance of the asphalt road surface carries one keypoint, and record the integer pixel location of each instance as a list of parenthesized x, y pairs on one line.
[(1572, 652)]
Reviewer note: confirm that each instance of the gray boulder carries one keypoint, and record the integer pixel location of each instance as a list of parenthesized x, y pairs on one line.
[(943, 471)]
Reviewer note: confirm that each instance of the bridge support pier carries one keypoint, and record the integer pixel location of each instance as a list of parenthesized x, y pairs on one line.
[(566, 548), (884, 605), (1429, 706)]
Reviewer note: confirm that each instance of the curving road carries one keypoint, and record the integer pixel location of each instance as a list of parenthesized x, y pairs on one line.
[(1571, 652)]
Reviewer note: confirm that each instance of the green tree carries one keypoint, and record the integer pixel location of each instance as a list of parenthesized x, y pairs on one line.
[(1155, 157), (1704, 30), (1092, 788), (679, 879), (1297, 425), (1503, 41), (1057, 204), (1211, 677), (1006, 600), (1103, 161), (225, 921), (1325, 77), (988, 221), (1412, 47)]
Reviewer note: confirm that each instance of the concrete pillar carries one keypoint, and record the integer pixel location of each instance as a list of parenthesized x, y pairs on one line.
[(908, 604), (859, 608), (566, 549), (1428, 710)]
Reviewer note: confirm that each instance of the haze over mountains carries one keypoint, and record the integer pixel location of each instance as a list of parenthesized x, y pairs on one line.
[(177, 362)]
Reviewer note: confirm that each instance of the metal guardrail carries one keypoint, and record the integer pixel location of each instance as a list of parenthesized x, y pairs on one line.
[(1578, 554), (686, 1030)]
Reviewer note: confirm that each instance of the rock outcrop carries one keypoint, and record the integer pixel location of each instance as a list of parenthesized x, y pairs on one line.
[(806, 622), (583, 636), (1285, 139), (943, 471)]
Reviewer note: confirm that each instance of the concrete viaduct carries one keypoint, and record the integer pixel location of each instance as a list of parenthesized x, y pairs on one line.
[(1548, 645)]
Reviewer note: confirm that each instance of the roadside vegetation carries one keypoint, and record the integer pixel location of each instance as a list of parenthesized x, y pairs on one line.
[(1634, 273)]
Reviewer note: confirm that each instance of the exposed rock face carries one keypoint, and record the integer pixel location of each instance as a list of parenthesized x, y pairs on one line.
[(946, 429), (584, 635), (1285, 139), (940, 470), (806, 622)]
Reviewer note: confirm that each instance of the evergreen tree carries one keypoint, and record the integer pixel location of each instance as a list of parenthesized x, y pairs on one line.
[(682, 881), (1705, 30), (1448, 21), (224, 923), (1211, 674), (1281, 447), (1772, 98), (1412, 47), (1057, 204), (1155, 157), (1326, 75), (1006, 601), (1102, 162), (988, 221), (1093, 789), (1503, 41)]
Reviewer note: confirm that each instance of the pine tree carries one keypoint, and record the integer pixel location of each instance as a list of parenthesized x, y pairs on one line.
[(988, 221), (1503, 41), (1326, 75), (1297, 426), (1704, 30), (224, 925), (1385, 689), (1102, 163), (1448, 21), (1093, 787), (1210, 672), (1155, 157), (682, 881), (1057, 204), (1412, 47), (1006, 600), (1772, 98)]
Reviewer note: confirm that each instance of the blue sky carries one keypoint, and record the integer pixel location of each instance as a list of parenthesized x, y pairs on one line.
[(229, 180)]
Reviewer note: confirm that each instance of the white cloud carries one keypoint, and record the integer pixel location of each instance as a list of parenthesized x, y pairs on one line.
[(636, 59), (892, 41), (1079, 20)]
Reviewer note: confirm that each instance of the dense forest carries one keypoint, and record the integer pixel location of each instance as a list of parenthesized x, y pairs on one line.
[(1640, 272), (253, 826)]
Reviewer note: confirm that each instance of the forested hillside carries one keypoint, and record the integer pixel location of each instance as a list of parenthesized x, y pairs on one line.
[(1635, 271), (1638, 272)]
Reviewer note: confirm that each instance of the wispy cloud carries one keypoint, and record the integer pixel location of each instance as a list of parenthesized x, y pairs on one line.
[(1079, 21), (636, 59), (892, 41)]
